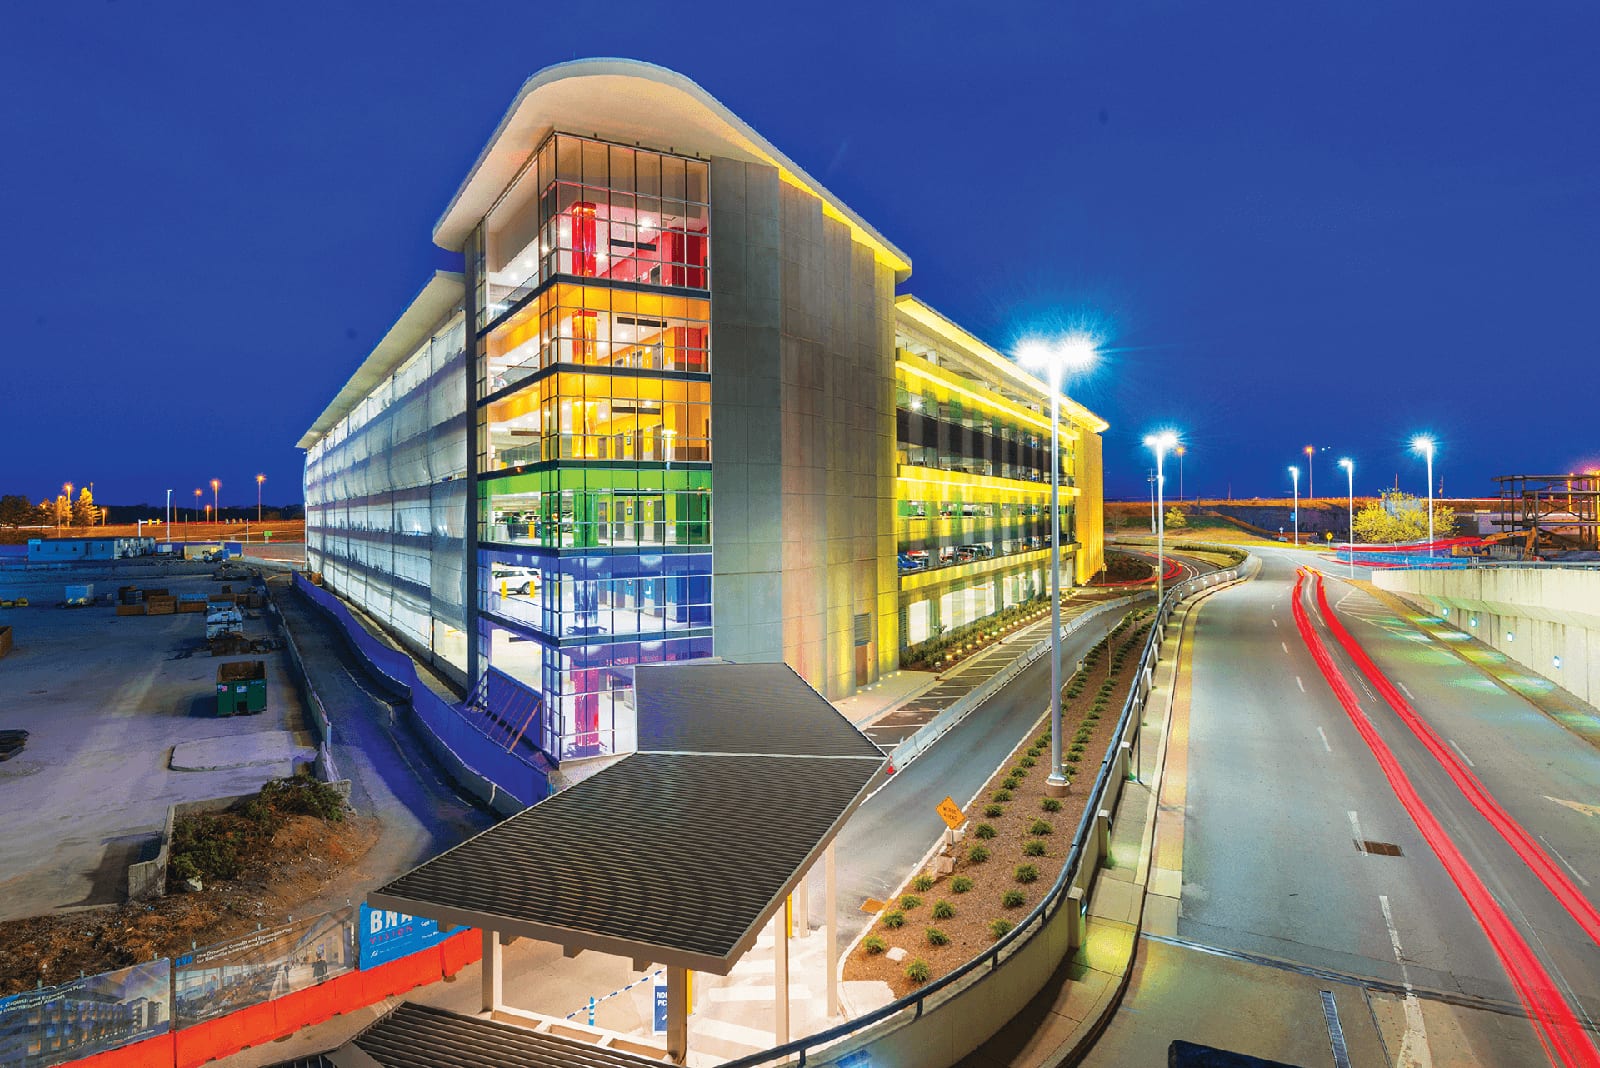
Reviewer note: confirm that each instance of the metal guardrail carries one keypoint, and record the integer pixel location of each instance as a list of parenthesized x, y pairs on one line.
[(911, 748), (1060, 893)]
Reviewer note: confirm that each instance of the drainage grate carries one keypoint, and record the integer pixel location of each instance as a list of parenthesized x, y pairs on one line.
[(1379, 849)]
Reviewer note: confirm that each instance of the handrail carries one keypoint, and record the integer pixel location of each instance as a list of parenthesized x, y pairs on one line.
[(1058, 894)]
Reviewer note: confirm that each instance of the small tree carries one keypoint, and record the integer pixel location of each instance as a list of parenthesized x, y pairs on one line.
[(83, 511), (1176, 519), (1398, 517)]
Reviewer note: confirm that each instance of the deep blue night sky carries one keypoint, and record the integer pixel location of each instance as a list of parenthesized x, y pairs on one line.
[(1296, 223)]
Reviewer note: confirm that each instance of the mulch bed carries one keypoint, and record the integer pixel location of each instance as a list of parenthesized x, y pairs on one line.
[(1091, 719)]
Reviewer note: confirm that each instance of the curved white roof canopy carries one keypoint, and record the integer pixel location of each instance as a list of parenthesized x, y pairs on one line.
[(627, 101)]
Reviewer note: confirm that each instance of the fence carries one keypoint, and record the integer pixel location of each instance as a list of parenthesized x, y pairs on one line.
[(477, 762), (219, 999), (1006, 975), (930, 732)]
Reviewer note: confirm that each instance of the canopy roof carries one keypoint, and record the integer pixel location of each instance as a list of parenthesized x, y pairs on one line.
[(677, 853)]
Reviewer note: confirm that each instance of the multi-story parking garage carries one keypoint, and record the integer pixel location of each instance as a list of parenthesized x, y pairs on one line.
[(673, 408)]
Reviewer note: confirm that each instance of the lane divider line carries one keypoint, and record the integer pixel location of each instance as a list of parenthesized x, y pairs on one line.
[(1566, 1043), (1414, 1049), (1579, 907), (1325, 744), (1463, 755)]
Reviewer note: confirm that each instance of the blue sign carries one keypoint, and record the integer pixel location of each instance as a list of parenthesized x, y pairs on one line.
[(661, 1009), (387, 936)]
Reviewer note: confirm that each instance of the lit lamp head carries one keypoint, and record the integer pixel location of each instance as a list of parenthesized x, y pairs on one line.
[(1349, 465), (1424, 444), (1163, 442), (1294, 472), (1075, 352)]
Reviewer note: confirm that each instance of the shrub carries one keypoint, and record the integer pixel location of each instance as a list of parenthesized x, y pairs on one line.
[(1073, 758), (910, 901), (937, 937), (1000, 795), (1011, 782), (1013, 899), (894, 919), (918, 971), (977, 855), (1034, 751), (1033, 848), (960, 884), (998, 929), (994, 811), (1077, 747), (1025, 873), (1027, 762), (984, 830), (873, 945), (943, 910), (922, 883), (1050, 804), (1019, 772), (1040, 827)]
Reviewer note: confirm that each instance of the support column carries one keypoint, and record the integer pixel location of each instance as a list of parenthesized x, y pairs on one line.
[(830, 916), (780, 975), (491, 970), (802, 906), (677, 1014)]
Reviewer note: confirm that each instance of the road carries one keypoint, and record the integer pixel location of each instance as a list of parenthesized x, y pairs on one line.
[(1303, 872), (897, 825)]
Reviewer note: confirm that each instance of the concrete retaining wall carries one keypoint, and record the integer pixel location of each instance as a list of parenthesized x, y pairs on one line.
[(1547, 619)]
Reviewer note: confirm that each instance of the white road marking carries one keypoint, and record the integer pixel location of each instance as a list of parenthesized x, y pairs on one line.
[(1285, 646), (1274, 624), (1325, 745), (1462, 755), (1355, 829), (1414, 1045), (1300, 684), (1404, 690), (1563, 860)]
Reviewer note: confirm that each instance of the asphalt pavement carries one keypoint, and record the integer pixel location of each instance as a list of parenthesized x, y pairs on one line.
[(1303, 871)]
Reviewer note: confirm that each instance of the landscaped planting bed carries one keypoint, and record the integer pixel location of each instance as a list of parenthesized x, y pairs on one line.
[(1016, 839)]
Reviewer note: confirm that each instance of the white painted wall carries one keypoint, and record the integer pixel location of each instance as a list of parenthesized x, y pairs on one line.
[(1532, 615)]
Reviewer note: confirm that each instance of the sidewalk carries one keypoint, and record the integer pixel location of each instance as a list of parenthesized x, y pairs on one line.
[(891, 724)]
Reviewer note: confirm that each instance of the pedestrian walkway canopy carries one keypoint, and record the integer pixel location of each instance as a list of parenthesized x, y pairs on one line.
[(680, 852)]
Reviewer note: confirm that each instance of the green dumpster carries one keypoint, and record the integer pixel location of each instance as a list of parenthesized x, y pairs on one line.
[(241, 687)]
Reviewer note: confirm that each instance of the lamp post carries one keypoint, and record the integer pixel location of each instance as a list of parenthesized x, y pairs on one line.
[(1424, 444), (1311, 471), (216, 509), (1295, 472), (195, 515), (168, 531), (259, 479), (1161, 443), (1349, 466), (1180, 450), (1068, 354)]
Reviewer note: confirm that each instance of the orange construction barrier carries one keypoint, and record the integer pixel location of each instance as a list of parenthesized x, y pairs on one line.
[(238, 1030), (150, 1053), (460, 950)]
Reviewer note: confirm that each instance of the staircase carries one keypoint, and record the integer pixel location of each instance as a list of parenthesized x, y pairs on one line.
[(510, 714)]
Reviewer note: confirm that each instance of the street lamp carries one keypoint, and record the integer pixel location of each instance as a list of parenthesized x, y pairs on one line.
[(1424, 444), (216, 509), (1161, 443), (1295, 471), (66, 491), (1349, 466), (259, 479), (1180, 450), (1072, 353), (168, 531), (1311, 471)]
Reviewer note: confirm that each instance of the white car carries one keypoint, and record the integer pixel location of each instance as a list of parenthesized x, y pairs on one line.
[(514, 578)]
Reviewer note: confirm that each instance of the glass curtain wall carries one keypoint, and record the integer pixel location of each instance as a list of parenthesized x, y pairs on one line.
[(385, 494), (594, 438)]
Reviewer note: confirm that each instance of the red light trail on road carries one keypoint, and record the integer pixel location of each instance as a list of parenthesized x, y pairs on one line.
[(1539, 862), (1563, 1037)]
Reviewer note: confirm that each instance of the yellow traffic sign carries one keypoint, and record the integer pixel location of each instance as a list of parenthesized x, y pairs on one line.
[(951, 813)]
